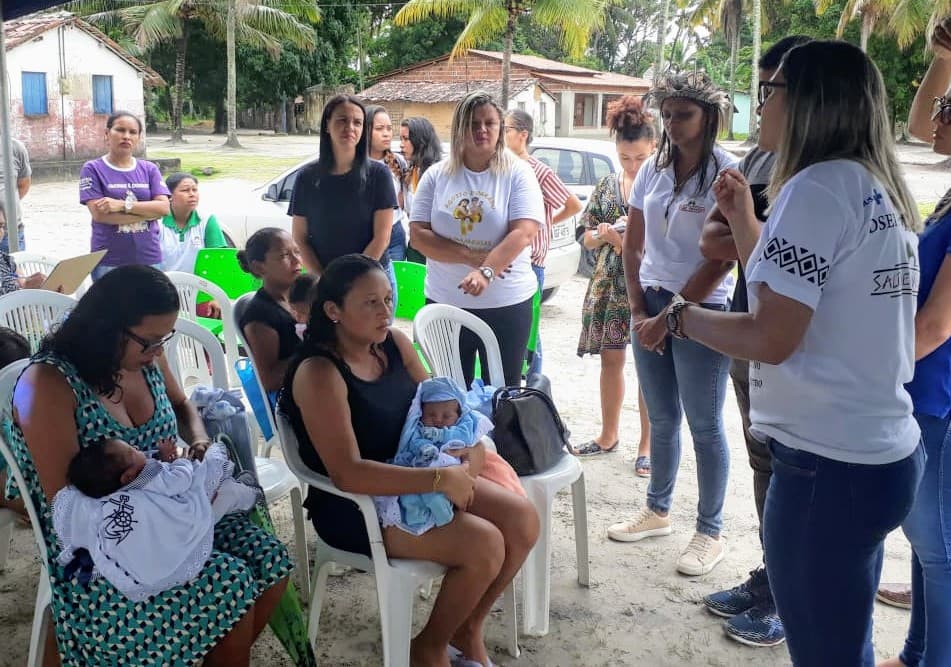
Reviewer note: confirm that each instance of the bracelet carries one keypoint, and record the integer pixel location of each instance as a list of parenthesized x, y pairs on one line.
[(437, 475), (674, 320)]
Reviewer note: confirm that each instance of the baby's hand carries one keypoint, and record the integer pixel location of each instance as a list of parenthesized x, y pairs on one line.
[(461, 454), (167, 449)]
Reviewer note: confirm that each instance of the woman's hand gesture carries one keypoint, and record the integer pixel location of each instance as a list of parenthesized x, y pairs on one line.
[(474, 283), (734, 198), (458, 486), (652, 332), (607, 233)]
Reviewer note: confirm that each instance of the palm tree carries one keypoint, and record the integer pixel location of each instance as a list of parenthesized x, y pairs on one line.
[(663, 19), (905, 19), (756, 10), (726, 15), (489, 18), (265, 24)]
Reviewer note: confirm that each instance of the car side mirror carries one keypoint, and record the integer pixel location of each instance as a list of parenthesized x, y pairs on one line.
[(273, 192)]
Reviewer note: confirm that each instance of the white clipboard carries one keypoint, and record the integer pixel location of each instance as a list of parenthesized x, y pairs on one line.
[(70, 273)]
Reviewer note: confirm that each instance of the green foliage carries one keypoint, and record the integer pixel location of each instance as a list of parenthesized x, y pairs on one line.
[(401, 46)]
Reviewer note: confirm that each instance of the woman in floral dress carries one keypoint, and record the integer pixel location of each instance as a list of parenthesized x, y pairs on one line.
[(606, 314)]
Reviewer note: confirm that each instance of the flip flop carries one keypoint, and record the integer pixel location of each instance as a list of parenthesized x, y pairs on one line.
[(591, 448), (457, 659), (642, 466)]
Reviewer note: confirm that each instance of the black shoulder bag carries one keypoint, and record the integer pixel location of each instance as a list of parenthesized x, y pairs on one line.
[(529, 433)]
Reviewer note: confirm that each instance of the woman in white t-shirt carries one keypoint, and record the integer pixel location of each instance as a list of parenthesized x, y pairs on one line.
[(830, 335), (474, 217), (670, 200)]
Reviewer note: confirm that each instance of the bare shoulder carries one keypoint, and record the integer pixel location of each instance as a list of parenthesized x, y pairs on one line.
[(318, 374)]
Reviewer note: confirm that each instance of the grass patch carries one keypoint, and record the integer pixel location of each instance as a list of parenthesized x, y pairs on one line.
[(244, 165)]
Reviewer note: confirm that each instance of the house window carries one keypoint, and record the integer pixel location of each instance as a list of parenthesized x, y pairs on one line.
[(34, 93), (101, 94), (585, 110), (606, 100)]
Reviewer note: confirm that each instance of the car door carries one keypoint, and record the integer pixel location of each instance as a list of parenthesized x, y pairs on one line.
[(570, 166)]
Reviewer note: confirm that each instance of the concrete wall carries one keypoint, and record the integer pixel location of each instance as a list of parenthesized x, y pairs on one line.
[(70, 130)]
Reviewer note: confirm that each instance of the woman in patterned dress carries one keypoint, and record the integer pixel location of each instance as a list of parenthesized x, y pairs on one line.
[(606, 314), (103, 374)]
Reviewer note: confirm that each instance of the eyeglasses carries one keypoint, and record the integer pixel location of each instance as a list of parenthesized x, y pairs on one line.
[(149, 346), (766, 89), (942, 111), (513, 128)]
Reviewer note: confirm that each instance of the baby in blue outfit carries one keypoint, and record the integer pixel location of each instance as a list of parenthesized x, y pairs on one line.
[(438, 427)]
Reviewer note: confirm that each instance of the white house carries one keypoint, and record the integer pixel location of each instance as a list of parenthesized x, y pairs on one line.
[(65, 77)]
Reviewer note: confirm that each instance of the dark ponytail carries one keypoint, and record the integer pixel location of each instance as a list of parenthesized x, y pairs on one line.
[(257, 247)]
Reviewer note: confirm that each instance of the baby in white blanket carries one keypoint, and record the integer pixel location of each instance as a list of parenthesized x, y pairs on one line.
[(147, 526)]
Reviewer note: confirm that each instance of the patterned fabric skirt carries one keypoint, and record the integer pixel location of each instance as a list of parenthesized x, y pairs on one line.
[(99, 626), (606, 313)]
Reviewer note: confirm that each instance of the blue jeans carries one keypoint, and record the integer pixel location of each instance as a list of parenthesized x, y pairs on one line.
[(688, 378), (535, 364), (396, 251), (5, 242), (928, 528), (823, 529)]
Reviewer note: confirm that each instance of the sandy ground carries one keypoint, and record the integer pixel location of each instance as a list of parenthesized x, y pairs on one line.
[(638, 610)]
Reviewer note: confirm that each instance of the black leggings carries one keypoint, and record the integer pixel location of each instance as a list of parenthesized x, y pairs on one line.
[(511, 326)]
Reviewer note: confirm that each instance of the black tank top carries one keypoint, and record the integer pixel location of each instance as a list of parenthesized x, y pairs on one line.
[(377, 409)]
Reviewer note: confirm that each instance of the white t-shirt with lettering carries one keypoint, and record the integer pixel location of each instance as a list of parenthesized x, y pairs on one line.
[(673, 223), (834, 242), (474, 209)]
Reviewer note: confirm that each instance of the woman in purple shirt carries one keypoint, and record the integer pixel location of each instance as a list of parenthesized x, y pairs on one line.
[(126, 196)]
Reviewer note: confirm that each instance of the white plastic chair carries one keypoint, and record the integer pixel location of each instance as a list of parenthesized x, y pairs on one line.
[(274, 476), (41, 610), (188, 286), (29, 263), (32, 313), (397, 580), (436, 329)]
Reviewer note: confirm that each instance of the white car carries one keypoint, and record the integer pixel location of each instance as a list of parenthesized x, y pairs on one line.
[(580, 163)]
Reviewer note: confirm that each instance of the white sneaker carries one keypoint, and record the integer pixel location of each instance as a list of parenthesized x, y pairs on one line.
[(701, 555), (646, 524)]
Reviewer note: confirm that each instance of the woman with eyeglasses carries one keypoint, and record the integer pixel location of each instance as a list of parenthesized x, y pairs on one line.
[(669, 203), (343, 202), (474, 219), (102, 375), (380, 137), (928, 524), (832, 284)]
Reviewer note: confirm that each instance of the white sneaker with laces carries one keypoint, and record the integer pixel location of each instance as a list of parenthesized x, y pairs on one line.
[(701, 555), (646, 524)]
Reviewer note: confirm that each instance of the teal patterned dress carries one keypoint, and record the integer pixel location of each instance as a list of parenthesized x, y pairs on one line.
[(97, 625), (605, 312)]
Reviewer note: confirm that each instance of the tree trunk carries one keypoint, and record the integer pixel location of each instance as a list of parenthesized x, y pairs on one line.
[(507, 56), (232, 103), (757, 11), (661, 34), (868, 23), (734, 49), (221, 123), (178, 90)]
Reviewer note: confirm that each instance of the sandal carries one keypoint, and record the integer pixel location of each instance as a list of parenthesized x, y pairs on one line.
[(642, 466), (457, 659), (591, 448)]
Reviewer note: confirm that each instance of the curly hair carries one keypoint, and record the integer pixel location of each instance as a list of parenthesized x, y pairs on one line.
[(629, 120)]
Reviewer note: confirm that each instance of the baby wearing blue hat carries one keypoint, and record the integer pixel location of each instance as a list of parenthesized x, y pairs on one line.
[(438, 428)]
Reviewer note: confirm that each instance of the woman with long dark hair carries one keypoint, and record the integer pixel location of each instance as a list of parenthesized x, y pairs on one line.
[(422, 149), (380, 135), (347, 394), (670, 200), (343, 202), (102, 375), (832, 280)]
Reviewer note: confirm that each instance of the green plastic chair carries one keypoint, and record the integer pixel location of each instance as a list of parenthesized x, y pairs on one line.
[(410, 281), (220, 266)]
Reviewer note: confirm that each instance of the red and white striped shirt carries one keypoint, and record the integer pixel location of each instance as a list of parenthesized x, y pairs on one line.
[(554, 194)]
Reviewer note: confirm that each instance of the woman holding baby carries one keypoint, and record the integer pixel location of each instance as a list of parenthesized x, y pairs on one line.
[(347, 395), (102, 375)]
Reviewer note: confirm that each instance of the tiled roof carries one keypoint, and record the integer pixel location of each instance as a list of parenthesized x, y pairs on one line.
[(536, 63), (432, 92), (21, 31)]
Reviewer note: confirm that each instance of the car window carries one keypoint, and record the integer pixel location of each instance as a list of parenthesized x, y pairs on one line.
[(286, 187), (569, 165), (601, 167)]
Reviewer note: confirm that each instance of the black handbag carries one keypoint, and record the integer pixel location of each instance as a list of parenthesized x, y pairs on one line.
[(528, 433)]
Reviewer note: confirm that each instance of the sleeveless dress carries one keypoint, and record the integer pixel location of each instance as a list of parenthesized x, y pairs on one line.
[(378, 411), (97, 625)]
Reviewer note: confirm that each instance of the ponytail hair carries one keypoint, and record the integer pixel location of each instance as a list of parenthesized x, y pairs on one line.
[(257, 247), (628, 120)]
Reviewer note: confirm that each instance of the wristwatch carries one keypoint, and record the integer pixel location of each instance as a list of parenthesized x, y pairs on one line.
[(674, 317), (488, 272)]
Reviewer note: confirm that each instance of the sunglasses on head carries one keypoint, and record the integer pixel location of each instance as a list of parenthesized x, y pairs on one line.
[(942, 111), (150, 345)]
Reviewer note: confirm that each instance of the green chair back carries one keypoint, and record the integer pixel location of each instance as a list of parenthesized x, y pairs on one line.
[(220, 266), (410, 281), (536, 315)]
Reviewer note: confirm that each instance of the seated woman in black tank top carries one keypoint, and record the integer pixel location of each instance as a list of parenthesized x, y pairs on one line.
[(268, 323), (347, 394)]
